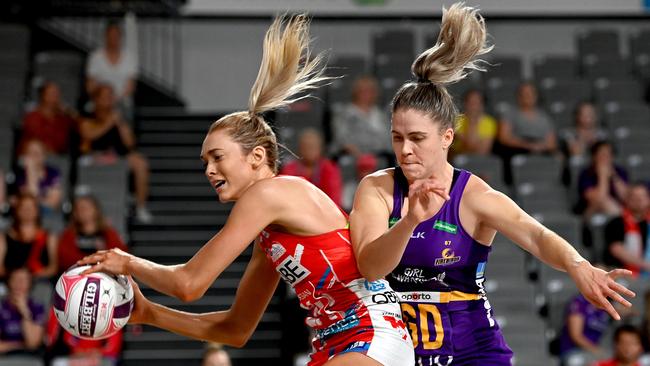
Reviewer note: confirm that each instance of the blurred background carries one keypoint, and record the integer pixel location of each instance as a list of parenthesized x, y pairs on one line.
[(104, 105)]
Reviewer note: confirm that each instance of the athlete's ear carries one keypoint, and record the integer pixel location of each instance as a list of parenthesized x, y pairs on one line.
[(257, 157)]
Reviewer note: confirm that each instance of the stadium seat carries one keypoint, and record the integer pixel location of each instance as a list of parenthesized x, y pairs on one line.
[(555, 67)]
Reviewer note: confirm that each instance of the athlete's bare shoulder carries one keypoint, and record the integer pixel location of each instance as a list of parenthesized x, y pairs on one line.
[(381, 179)]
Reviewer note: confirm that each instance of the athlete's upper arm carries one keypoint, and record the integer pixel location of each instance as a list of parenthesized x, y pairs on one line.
[(370, 213), (258, 208), (497, 211)]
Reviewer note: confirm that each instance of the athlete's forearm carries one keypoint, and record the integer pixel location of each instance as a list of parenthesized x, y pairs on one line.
[(379, 257), (557, 252), (169, 280), (212, 327)]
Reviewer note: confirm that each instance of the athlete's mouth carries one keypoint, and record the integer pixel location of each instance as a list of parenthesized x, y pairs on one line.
[(219, 184)]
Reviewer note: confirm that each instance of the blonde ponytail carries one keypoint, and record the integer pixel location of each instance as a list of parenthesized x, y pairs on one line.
[(287, 68), (462, 38)]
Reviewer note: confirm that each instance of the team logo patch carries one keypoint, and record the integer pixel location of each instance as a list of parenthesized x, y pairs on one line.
[(448, 257), (374, 285), (412, 275)]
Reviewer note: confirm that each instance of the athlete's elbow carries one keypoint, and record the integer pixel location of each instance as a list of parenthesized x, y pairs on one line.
[(186, 291)]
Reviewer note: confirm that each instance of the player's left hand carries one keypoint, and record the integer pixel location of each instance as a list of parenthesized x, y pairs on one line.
[(141, 307), (598, 285), (113, 261)]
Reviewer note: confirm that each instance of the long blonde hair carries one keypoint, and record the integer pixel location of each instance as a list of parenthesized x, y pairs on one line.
[(461, 40), (287, 69)]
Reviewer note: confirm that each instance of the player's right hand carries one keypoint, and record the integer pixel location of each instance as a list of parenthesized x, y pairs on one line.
[(113, 261), (426, 197)]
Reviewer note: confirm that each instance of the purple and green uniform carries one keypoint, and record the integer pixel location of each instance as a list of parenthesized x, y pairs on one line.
[(440, 283)]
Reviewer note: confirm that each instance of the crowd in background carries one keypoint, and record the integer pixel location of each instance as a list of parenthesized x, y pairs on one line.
[(39, 240)]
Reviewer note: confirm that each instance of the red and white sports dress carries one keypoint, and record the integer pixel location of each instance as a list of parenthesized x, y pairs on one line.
[(347, 313)]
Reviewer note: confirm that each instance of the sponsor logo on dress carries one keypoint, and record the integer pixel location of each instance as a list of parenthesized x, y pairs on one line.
[(418, 235), (412, 275), (388, 297), (292, 271), (445, 226), (374, 286), (392, 221), (276, 251)]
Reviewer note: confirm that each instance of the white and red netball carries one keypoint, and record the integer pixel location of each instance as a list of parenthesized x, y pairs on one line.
[(93, 306)]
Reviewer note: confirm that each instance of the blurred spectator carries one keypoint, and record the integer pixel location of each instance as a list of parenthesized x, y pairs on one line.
[(366, 164), (576, 141), (37, 178), (583, 329), (64, 349), (215, 355), (602, 185), (26, 243), (476, 130), (21, 319), (114, 65), (527, 129), (107, 136), (626, 236), (313, 166), (361, 126), (50, 122), (627, 347), (87, 233)]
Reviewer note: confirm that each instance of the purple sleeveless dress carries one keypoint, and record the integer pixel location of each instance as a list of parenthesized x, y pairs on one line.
[(440, 283)]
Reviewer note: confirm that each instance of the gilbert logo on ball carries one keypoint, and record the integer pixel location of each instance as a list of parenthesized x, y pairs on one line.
[(93, 306)]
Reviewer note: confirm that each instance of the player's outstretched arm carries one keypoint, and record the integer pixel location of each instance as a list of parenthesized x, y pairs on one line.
[(259, 207), (498, 211), (233, 326)]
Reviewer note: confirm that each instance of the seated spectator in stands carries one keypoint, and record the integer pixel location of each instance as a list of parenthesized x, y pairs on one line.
[(575, 142), (87, 233), (43, 181), (602, 185), (475, 130), (114, 65), (313, 166), (106, 135), (22, 320), (361, 127), (215, 355), (626, 236), (627, 347), (583, 328), (26, 243), (50, 122), (526, 129), (64, 349)]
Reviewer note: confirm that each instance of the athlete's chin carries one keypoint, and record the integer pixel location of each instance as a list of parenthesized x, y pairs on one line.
[(412, 171)]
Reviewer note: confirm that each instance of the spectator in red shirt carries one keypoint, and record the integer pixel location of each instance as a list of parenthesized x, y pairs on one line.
[(51, 123), (627, 347), (87, 233), (313, 166), (62, 348)]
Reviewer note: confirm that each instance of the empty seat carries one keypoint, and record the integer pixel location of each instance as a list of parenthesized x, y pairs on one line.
[(634, 116), (640, 53), (629, 142), (400, 42), (608, 90), (505, 67), (397, 67), (562, 114), (303, 114), (14, 38), (542, 198), (501, 91), (556, 67), (487, 167), (594, 66), (6, 148), (598, 42), (536, 169), (568, 91), (638, 166)]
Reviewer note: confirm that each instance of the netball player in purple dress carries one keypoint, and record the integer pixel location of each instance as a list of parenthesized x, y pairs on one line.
[(428, 227)]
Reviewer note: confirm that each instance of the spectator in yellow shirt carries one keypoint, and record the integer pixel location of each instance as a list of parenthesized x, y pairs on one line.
[(475, 130)]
